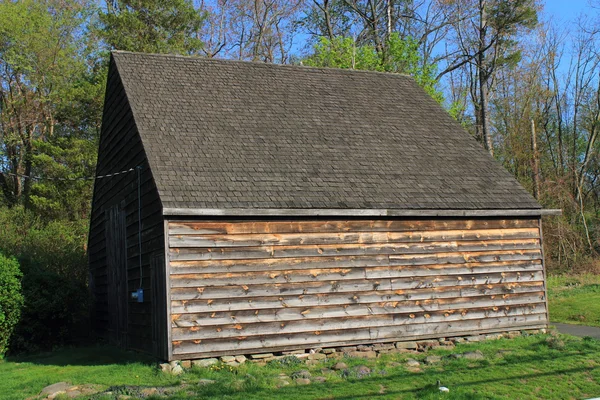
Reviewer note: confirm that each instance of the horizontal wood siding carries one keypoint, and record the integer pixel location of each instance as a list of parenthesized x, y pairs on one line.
[(241, 287)]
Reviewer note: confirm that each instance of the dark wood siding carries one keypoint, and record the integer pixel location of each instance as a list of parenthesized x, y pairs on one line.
[(121, 149), (257, 286)]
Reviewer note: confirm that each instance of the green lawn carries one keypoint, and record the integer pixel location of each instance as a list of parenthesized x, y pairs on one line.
[(533, 367), (575, 299)]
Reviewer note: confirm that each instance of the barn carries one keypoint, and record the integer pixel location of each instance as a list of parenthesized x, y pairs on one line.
[(248, 208)]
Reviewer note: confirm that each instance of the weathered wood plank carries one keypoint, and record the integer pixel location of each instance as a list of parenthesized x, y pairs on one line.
[(252, 227), (397, 318), (467, 260), (296, 239), (360, 296), (239, 344), (402, 280), (350, 310), (349, 249)]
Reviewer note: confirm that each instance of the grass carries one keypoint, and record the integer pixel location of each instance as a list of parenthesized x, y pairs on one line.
[(574, 299), (532, 367)]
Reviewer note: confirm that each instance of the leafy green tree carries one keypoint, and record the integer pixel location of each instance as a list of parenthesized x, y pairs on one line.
[(49, 85), (152, 26), (402, 57)]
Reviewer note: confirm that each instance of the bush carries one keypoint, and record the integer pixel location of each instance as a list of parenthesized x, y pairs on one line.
[(52, 257), (11, 299)]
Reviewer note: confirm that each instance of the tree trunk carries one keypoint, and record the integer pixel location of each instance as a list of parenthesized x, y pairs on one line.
[(535, 162), (484, 77)]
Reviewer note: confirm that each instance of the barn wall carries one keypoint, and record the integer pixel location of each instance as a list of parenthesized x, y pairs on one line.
[(114, 262), (243, 287)]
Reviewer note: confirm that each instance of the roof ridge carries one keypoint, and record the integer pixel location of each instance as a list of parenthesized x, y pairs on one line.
[(264, 64)]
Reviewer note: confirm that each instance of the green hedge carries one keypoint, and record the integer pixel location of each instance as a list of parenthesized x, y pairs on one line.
[(11, 299)]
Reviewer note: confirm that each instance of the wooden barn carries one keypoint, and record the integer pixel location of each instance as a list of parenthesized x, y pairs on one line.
[(264, 208)]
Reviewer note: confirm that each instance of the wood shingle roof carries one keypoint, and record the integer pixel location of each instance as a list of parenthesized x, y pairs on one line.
[(241, 135)]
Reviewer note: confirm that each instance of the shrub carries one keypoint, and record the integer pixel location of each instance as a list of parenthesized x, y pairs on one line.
[(11, 299)]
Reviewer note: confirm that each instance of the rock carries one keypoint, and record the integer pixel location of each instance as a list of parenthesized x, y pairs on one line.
[(149, 392), (456, 356), (303, 381), (227, 359), (427, 344), (73, 393), (447, 343), (407, 345), (474, 355), (473, 338), (363, 347), (177, 370), (317, 356), (240, 359), (174, 363), (186, 364), (383, 347), (340, 366), (328, 351), (361, 371), (335, 355), (513, 334), (363, 354), (233, 363), (289, 353), (55, 388), (393, 364), (166, 368), (326, 371), (56, 394), (259, 356), (207, 362), (412, 363), (302, 374), (204, 382), (282, 382), (320, 379), (349, 349), (432, 359), (312, 362)]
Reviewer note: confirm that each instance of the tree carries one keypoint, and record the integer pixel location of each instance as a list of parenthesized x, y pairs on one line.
[(484, 40), (46, 85), (403, 57), (152, 26)]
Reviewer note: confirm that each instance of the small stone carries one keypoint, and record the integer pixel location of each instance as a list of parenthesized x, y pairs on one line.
[(315, 350), (73, 393), (426, 344), (473, 338), (361, 371), (349, 349), (383, 346), (227, 359), (320, 379), (447, 343), (302, 356), (301, 374), (54, 388), (326, 371), (207, 362), (240, 359), (335, 355), (474, 355), (259, 356), (363, 354), (233, 363), (340, 366), (312, 362), (204, 382), (260, 363), (363, 347), (432, 359), (407, 345), (303, 381), (456, 356), (56, 394), (317, 356), (412, 363), (174, 363), (149, 392), (166, 368), (282, 383), (177, 370), (186, 364), (328, 351), (514, 334), (394, 364)]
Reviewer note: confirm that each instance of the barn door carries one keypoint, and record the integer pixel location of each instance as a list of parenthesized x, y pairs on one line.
[(116, 262)]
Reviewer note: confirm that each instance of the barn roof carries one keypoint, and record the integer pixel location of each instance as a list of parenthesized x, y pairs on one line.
[(229, 135)]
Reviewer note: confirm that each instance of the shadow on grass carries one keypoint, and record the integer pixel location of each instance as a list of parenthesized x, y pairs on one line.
[(90, 355)]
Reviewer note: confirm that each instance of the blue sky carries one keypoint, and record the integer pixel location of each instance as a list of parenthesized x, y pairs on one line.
[(566, 10)]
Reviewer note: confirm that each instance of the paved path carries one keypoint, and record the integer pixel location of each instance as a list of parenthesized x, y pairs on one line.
[(578, 330)]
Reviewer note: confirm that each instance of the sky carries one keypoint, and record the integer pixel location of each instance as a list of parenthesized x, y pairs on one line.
[(566, 10)]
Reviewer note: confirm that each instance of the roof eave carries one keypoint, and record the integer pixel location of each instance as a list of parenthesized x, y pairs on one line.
[(314, 212)]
